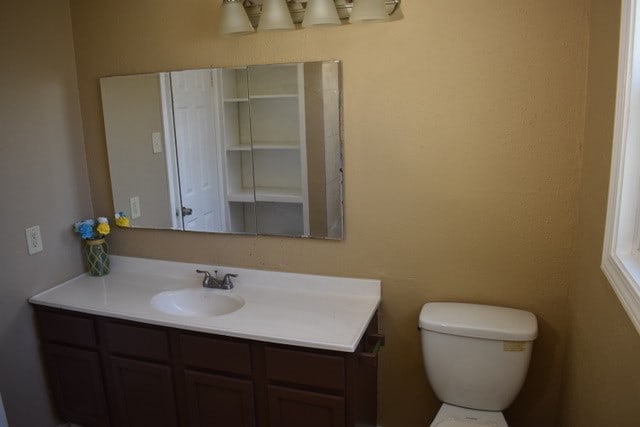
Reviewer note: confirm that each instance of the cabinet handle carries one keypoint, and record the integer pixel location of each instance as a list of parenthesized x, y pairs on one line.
[(371, 357)]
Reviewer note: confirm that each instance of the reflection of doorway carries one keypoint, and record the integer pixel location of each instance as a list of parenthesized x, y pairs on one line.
[(198, 151), (171, 158)]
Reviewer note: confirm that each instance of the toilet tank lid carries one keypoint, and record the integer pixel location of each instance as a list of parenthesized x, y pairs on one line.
[(479, 321)]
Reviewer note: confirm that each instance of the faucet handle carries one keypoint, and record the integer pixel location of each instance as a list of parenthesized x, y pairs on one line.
[(227, 279), (206, 280), (205, 272)]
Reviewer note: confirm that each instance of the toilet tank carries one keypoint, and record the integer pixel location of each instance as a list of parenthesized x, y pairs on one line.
[(476, 356)]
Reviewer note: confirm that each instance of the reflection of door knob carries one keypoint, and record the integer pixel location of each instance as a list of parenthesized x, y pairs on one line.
[(186, 211)]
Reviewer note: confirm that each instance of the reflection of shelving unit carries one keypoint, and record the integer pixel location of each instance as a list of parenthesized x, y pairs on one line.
[(265, 149), (237, 162)]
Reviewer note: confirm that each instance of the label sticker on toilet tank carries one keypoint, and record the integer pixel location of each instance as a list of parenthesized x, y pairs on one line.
[(514, 345)]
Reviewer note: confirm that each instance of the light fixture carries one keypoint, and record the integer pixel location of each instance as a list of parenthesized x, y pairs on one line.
[(242, 16), (321, 13), (275, 16), (297, 10), (368, 11), (234, 19)]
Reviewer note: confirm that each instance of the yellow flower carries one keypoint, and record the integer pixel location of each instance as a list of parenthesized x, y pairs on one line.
[(103, 228), (122, 221)]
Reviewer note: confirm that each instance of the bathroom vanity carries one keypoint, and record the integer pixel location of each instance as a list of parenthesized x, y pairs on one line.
[(300, 351)]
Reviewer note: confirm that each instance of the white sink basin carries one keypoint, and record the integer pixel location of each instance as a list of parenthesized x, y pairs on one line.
[(200, 302)]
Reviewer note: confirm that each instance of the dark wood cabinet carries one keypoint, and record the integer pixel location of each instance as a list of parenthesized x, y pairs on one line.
[(75, 376), (143, 394), (294, 408), (107, 372), (218, 380), (218, 401), (139, 374)]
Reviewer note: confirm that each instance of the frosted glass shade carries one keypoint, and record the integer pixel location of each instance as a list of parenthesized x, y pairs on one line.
[(233, 19), (275, 16), (368, 10), (321, 13)]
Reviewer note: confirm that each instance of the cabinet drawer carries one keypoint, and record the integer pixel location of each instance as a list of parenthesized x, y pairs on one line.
[(67, 328), (217, 354), (137, 341), (306, 368)]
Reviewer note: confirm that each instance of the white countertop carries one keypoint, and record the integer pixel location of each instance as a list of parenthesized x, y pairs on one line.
[(322, 312)]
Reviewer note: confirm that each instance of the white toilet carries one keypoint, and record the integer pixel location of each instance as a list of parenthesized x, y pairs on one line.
[(476, 358)]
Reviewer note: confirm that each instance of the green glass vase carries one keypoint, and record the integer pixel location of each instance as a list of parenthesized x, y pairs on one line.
[(96, 255)]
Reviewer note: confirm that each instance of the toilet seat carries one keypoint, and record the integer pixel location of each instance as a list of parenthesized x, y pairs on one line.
[(456, 416)]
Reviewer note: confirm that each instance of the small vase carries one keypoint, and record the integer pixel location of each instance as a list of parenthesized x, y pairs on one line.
[(96, 255)]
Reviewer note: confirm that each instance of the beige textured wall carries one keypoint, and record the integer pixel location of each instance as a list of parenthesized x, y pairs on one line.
[(463, 128), (43, 181), (601, 377)]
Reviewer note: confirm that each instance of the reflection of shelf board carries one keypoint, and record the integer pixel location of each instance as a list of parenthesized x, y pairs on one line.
[(266, 194), (239, 147), (270, 145), (264, 145), (236, 99), (274, 96), (243, 195), (281, 195)]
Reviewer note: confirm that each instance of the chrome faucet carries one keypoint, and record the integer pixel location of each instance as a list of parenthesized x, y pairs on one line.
[(213, 282)]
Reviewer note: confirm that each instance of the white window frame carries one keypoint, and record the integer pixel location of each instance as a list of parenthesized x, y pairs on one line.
[(621, 255)]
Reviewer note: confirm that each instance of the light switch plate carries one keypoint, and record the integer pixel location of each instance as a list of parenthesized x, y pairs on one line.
[(34, 239), (156, 137), (135, 207)]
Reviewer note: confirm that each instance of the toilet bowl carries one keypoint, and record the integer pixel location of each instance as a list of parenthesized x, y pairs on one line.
[(456, 416), (476, 358)]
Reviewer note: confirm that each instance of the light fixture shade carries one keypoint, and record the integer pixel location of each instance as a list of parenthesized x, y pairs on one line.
[(275, 16), (368, 10), (234, 19), (321, 13)]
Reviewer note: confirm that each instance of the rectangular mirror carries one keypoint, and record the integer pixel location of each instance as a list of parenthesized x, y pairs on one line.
[(251, 150)]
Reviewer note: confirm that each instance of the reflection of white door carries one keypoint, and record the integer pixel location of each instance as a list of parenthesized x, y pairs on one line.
[(198, 154)]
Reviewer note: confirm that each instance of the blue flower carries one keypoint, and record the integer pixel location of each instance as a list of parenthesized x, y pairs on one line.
[(86, 230)]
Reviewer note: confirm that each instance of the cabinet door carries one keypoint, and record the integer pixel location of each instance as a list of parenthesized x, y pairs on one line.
[(295, 408), (216, 401), (143, 394), (76, 382)]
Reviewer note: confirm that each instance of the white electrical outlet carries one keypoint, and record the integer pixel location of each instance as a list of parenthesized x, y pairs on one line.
[(34, 239), (156, 139), (135, 207)]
